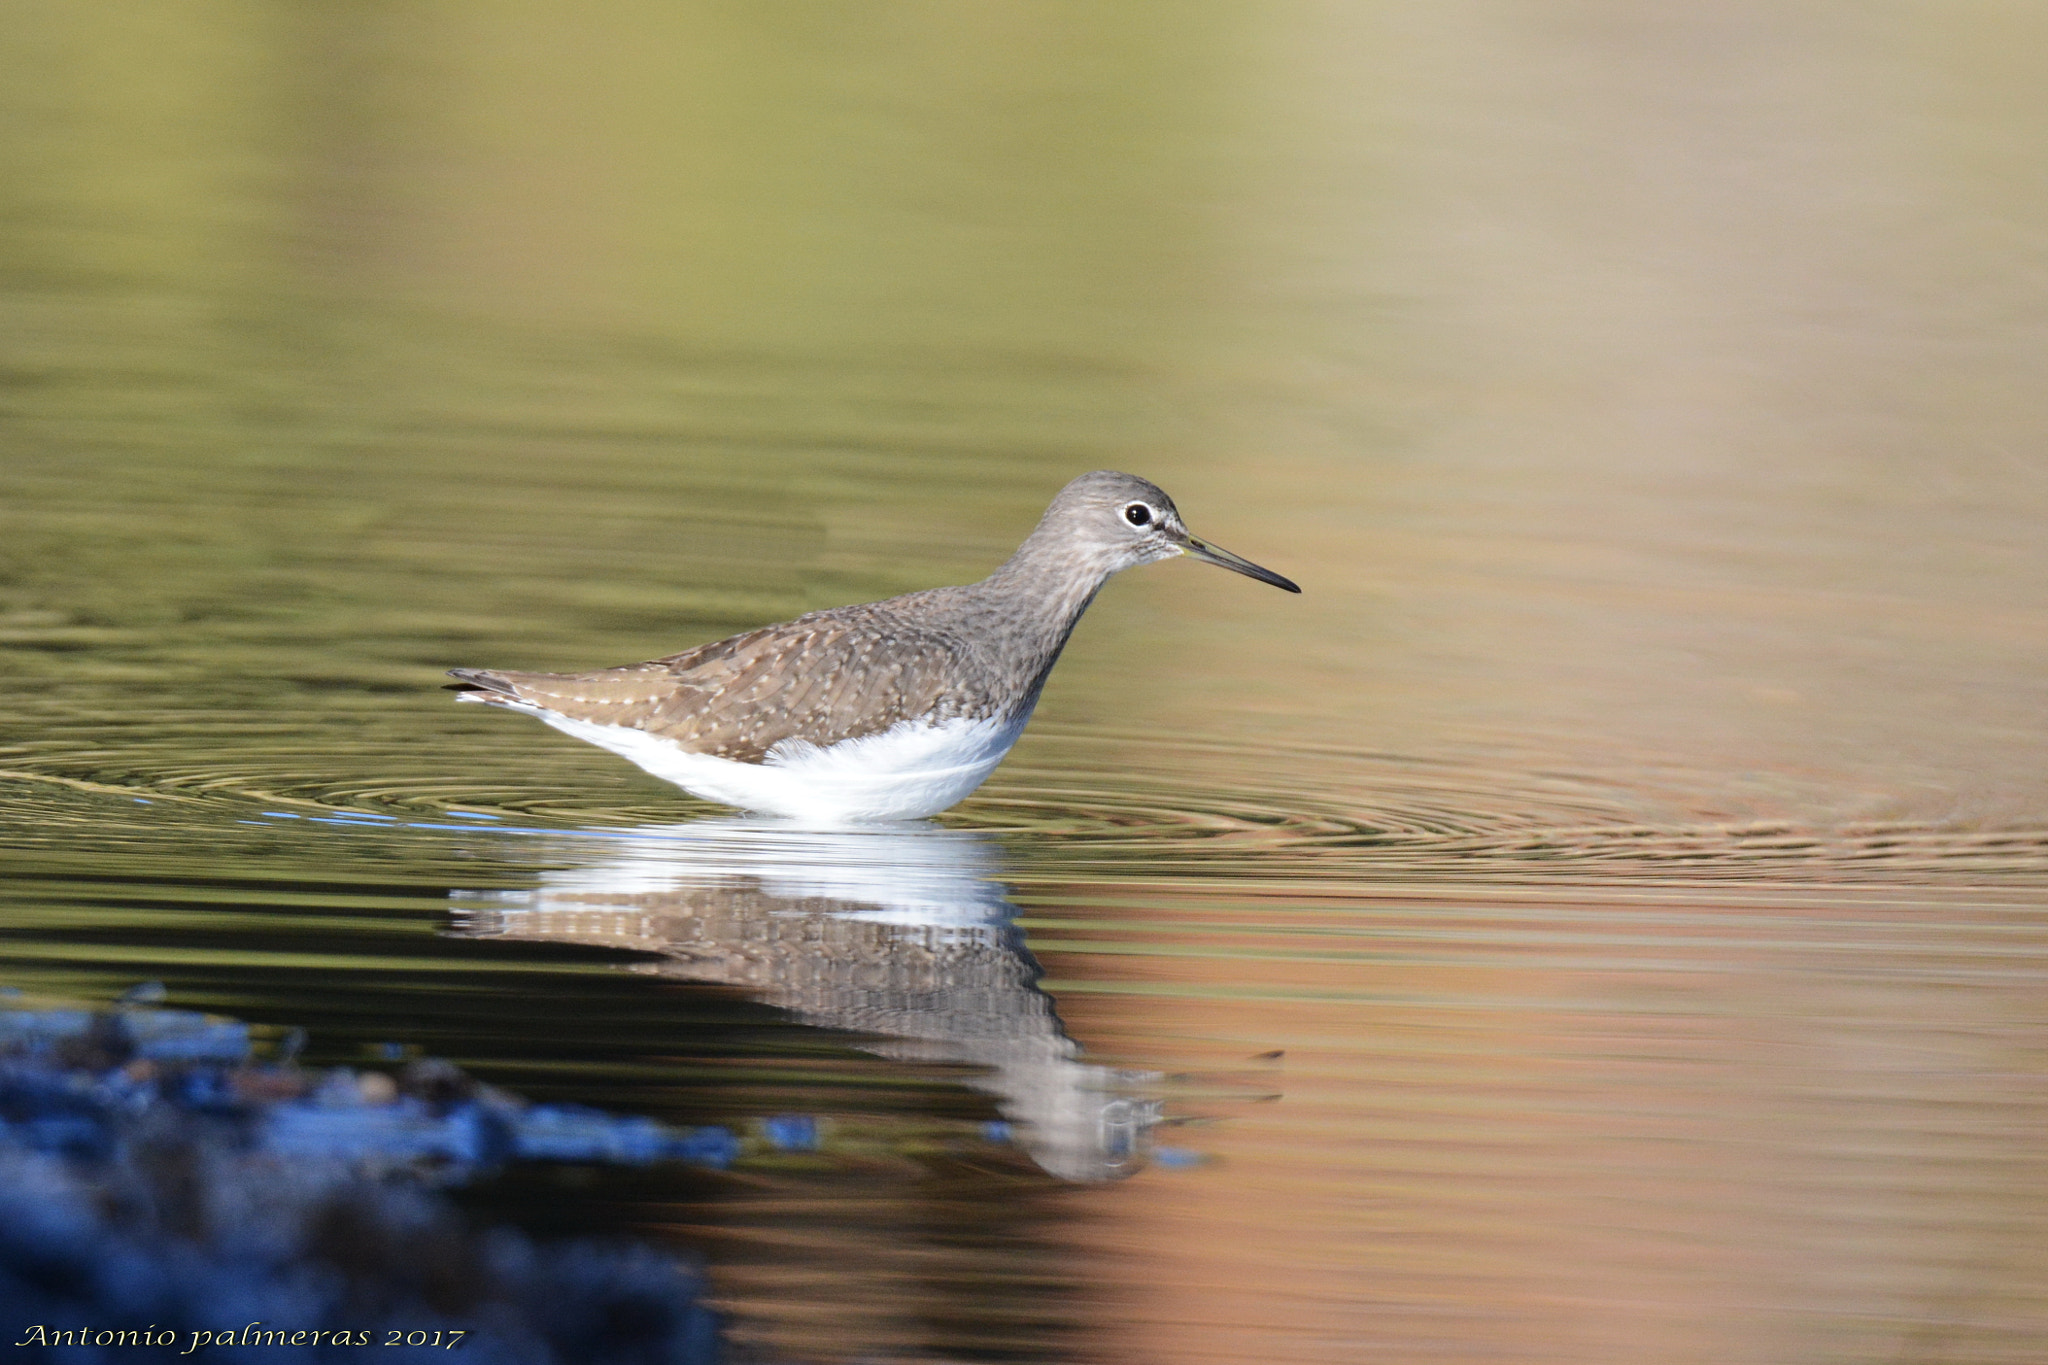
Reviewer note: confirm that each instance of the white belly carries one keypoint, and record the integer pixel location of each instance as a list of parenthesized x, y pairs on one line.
[(905, 773)]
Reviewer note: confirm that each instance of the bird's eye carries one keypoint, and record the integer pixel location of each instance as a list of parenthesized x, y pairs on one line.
[(1138, 514)]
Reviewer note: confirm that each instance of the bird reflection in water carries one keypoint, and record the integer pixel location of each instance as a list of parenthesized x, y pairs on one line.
[(902, 935)]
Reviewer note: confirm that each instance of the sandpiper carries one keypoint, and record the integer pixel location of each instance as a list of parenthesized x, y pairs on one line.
[(885, 711)]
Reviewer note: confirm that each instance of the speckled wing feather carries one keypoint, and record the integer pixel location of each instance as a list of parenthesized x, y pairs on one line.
[(821, 678)]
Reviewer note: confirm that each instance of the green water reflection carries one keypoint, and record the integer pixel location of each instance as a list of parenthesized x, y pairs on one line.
[(1634, 838)]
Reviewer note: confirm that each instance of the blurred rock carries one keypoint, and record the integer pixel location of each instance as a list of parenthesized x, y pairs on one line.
[(152, 1175)]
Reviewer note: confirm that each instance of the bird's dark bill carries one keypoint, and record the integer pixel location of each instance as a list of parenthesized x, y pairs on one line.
[(1204, 551)]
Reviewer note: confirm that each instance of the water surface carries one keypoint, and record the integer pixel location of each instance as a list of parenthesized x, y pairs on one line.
[(1600, 920)]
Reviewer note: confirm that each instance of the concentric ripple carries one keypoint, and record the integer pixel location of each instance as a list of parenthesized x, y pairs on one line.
[(1097, 797), (1323, 812)]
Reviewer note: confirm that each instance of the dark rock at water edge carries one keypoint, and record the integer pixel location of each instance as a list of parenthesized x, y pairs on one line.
[(153, 1177)]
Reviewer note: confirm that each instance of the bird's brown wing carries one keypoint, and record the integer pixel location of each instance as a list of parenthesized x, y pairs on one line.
[(820, 678)]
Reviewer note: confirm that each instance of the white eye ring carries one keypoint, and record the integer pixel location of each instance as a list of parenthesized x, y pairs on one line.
[(1138, 514)]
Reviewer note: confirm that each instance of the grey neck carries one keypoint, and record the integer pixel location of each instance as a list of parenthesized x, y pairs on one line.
[(1023, 613)]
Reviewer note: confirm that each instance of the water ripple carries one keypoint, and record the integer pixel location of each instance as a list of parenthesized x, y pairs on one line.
[(1112, 800)]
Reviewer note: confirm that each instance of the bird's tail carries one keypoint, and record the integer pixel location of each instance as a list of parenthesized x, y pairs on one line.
[(480, 684)]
